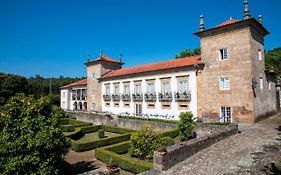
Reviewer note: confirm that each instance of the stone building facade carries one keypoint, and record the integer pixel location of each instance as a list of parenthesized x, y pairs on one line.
[(227, 81)]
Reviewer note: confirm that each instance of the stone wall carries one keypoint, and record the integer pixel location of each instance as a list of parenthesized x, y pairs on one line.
[(120, 122), (178, 152)]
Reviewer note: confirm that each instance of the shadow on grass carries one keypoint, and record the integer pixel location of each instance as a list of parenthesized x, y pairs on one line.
[(78, 168)]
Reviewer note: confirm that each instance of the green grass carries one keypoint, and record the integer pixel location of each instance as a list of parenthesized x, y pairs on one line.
[(94, 136)]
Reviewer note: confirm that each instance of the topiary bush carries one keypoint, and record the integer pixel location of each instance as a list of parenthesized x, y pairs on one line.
[(101, 133), (186, 125), (144, 142)]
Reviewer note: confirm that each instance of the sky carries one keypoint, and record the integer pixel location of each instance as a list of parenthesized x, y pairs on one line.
[(52, 38)]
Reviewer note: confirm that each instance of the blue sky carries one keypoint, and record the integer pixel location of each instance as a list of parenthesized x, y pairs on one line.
[(53, 37)]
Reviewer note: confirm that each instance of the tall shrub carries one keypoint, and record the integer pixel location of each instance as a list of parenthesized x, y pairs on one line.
[(186, 125), (31, 141), (144, 142)]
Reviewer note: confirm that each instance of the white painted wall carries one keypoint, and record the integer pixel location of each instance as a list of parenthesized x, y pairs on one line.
[(157, 110), (64, 99)]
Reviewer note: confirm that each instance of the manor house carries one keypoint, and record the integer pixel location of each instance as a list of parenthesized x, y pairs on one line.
[(228, 80)]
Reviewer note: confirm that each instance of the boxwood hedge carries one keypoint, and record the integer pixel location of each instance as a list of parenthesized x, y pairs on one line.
[(85, 146), (110, 154)]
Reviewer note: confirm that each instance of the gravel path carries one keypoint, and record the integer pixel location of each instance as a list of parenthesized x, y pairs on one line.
[(228, 155)]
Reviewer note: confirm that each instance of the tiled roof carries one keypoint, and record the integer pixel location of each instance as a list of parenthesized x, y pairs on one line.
[(106, 58), (228, 22), (78, 83), (182, 62)]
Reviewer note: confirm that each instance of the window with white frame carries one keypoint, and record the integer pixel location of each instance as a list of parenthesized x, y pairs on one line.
[(63, 95), (225, 114), (223, 54), (224, 83), (116, 89), (259, 55), (150, 88), (261, 83), (137, 88), (166, 87), (93, 75), (269, 86), (126, 89), (182, 86), (107, 90)]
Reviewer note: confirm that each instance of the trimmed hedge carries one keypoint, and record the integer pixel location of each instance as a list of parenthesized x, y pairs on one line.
[(76, 135), (107, 155), (90, 129), (64, 121), (116, 129), (80, 146), (72, 124), (170, 133), (149, 119)]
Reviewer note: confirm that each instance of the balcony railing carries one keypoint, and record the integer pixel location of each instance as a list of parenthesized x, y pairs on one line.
[(167, 96), (84, 97), (137, 97), (116, 97), (106, 97), (151, 97), (185, 96), (126, 97)]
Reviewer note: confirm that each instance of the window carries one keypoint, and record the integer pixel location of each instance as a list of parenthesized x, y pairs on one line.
[(259, 55), (269, 86), (63, 95), (126, 89), (225, 114), (138, 109), (223, 53), (261, 83), (166, 87), (107, 90), (116, 89), (224, 83), (138, 89), (93, 75), (182, 86), (150, 88)]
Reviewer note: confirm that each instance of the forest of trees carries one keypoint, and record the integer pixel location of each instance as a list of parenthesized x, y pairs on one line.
[(37, 86)]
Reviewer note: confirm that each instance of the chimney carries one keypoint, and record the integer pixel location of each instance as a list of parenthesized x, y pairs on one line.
[(101, 54), (246, 10), (201, 26)]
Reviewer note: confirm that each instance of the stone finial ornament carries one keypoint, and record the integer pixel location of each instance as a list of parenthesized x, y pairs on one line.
[(101, 54), (201, 26), (120, 58), (260, 19), (246, 10), (88, 58)]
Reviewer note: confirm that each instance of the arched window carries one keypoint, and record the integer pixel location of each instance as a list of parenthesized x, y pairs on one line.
[(80, 106), (75, 106)]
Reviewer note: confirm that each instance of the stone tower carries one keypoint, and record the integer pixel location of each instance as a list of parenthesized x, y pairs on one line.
[(233, 79), (95, 69)]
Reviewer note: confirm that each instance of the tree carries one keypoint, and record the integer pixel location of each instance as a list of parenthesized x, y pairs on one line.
[(186, 125), (31, 141), (189, 52), (273, 61), (10, 85)]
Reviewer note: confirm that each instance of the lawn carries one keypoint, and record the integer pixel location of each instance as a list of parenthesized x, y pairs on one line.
[(94, 136)]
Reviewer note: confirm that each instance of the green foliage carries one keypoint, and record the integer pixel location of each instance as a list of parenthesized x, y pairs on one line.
[(72, 124), (144, 142), (101, 133), (170, 133), (90, 129), (85, 146), (54, 98), (40, 86), (149, 119), (273, 61), (10, 85), (110, 154), (189, 52), (31, 141), (186, 125), (75, 135)]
